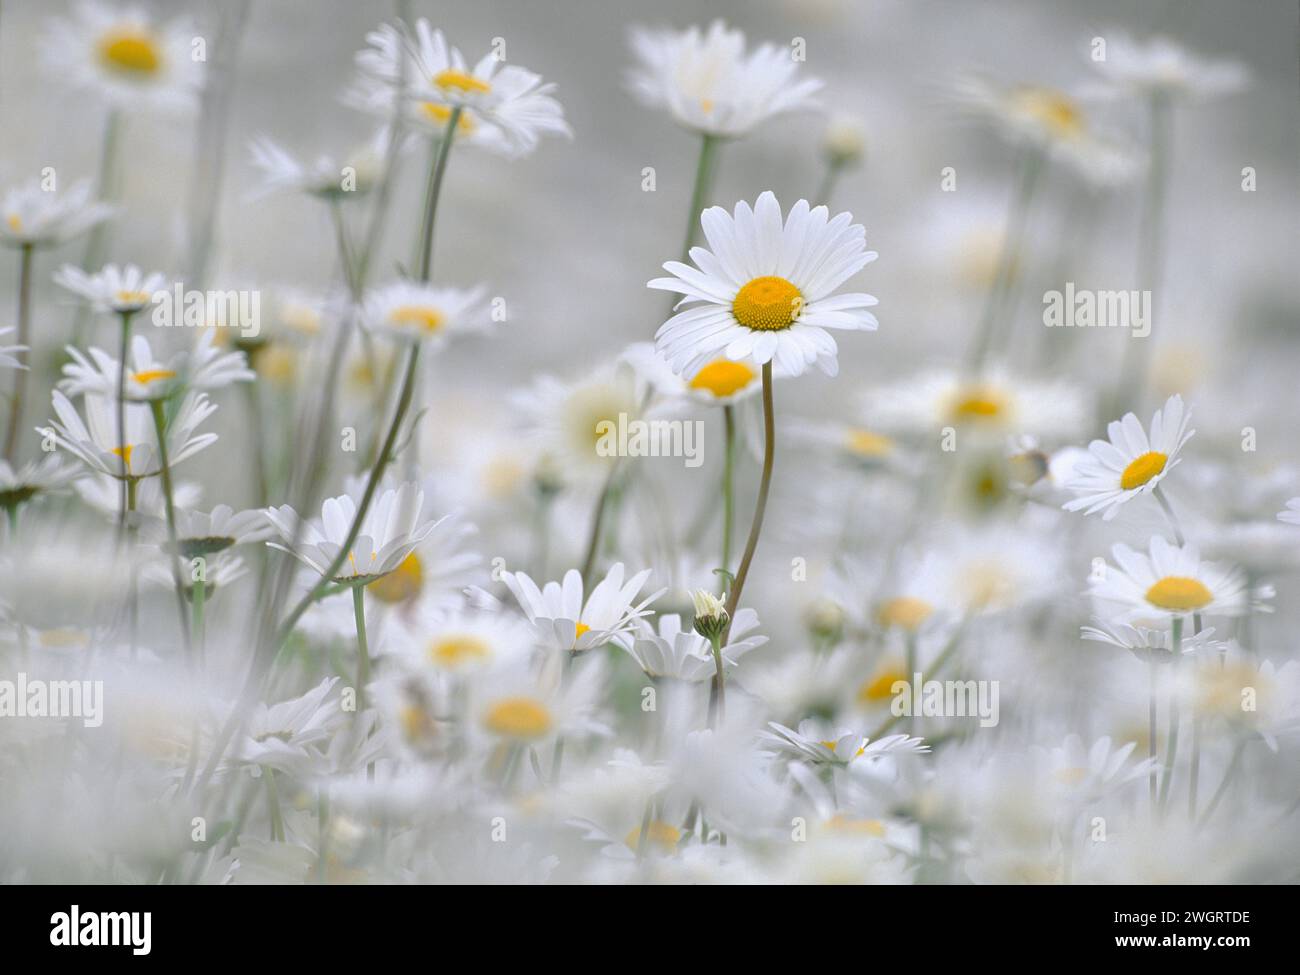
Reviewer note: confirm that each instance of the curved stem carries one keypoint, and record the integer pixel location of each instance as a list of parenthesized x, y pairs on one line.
[(598, 522), (764, 484), (436, 173), (25, 356), (169, 505), (1169, 513)]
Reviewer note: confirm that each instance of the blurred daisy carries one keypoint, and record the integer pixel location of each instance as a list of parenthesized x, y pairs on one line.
[(9, 353), (1129, 463), (289, 735), (707, 82), (1272, 708), (425, 312), (396, 522), (521, 706), (36, 217), (324, 176), (671, 651), (124, 56), (1145, 643), (1169, 582), (1091, 773), (1161, 66), (820, 744), (564, 620), (1292, 513), (200, 534), (462, 640), (103, 493), (764, 289), (148, 378), (124, 290), (220, 571), (510, 100), (44, 475), (94, 441)]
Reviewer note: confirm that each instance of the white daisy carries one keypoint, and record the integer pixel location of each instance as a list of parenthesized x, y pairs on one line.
[(707, 82), (1292, 513), (1169, 582), (95, 441), (821, 744), (460, 641), (1129, 463), (200, 534), (396, 522), (511, 102), (1145, 643), (1088, 774), (148, 378), (289, 735), (1161, 66), (718, 383), (33, 216), (524, 706), (220, 570), (326, 175), (564, 620), (425, 312), (671, 651), (124, 290), (125, 56), (41, 476), (764, 288)]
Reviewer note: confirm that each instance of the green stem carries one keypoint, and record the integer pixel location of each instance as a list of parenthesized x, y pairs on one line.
[(363, 648), (169, 506), (198, 600), (24, 339), (719, 712), (764, 484), (728, 488), (704, 171), (1171, 748), (121, 412), (434, 189), (832, 173), (273, 803)]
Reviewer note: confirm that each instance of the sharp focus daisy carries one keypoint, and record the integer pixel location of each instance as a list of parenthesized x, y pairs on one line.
[(764, 289), (1170, 581), (33, 216), (1129, 462), (122, 290), (565, 620), (125, 56), (424, 312), (512, 102), (148, 378), (823, 745), (718, 383), (396, 522), (708, 83), (669, 650), (95, 443)]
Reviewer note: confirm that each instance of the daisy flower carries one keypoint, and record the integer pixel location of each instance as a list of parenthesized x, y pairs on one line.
[(763, 289), (394, 525), (671, 651), (1169, 582), (721, 382), (289, 735), (200, 534), (1292, 513), (148, 378), (708, 83), (1145, 643), (94, 441), (1129, 463), (8, 353), (511, 102), (322, 176), (424, 312), (125, 56), (220, 570), (123, 291), (521, 706), (35, 217), (1088, 774), (564, 620), (816, 742), (42, 476), (462, 640), (1161, 66)]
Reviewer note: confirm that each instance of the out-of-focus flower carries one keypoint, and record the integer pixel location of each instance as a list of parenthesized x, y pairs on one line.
[(326, 176), (708, 83), (821, 744), (1292, 513), (289, 736), (1147, 644), (8, 353), (44, 475), (565, 621), (424, 312), (36, 217), (764, 290), (1162, 66), (844, 141), (671, 651), (124, 56), (1129, 463), (125, 290)]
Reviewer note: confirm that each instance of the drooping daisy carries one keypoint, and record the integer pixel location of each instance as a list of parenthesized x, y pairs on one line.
[(764, 288), (565, 621), (707, 82), (509, 99), (220, 570), (103, 493), (396, 522), (94, 441), (125, 56), (1170, 582), (673, 651), (424, 312), (819, 743), (35, 217), (1129, 463), (122, 291), (148, 378), (1161, 66)]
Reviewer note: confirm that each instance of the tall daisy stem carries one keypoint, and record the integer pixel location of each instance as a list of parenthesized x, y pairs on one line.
[(198, 604), (704, 170), (169, 505), (1171, 748), (764, 484), (24, 339), (728, 487), (718, 700), (434, 189), (363, 647), (122, 445)]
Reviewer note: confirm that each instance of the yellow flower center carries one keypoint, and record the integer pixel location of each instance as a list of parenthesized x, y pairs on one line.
[(459, 649), (660, 834), (422, 317), (15, 223), (401, 584), (130, 51), (723, 377), (978, 404), (151, 375), (415, 723), (880, 687), (518, 717), (441, 113), (1053, 110), (1071, 776), (579, 629), (1142, 470), (124, 452), (864, 443), (132, 297), (863, 827), (767, 304), (906, 612), (1179, 593), (451, 80)]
